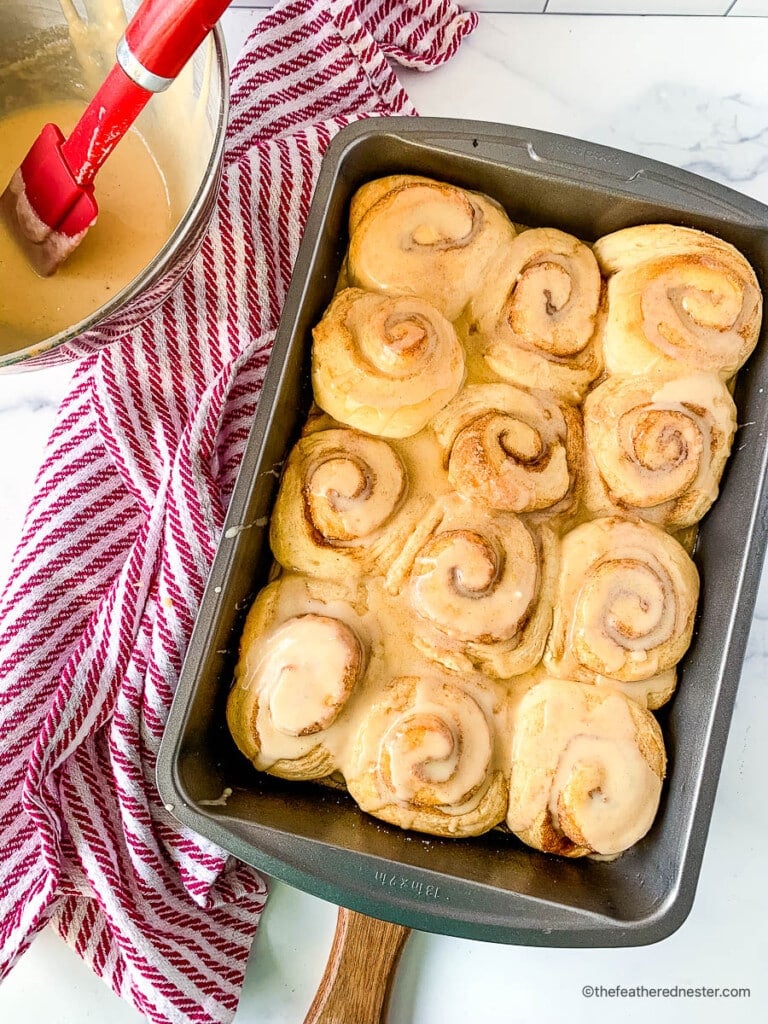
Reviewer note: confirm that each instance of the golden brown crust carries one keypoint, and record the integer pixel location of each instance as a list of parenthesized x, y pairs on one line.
[(344, 506), (657, 450), (624, 606), (384, 364), (414, 236), (425, 758), (537, 321), (587, 768), (679, 301), (476, 588), (511, 449)]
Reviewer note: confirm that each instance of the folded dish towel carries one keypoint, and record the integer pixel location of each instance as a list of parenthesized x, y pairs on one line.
[(129, 504)]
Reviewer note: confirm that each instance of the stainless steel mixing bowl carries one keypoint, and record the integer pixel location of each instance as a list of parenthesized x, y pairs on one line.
[(42, 58)]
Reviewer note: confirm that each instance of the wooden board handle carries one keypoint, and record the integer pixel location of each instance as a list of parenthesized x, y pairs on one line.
[(358, 976)]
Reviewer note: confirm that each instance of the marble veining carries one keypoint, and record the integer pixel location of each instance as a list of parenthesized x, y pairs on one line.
[(724, 138)]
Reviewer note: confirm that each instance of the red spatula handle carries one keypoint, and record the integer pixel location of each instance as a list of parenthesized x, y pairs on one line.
[(106, 119), (158, 42), (163, 34)]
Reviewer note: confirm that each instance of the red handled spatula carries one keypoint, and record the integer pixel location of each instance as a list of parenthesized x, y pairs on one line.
[(50, 204)]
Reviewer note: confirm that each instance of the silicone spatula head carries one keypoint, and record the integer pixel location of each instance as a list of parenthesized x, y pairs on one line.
[(44, 208)]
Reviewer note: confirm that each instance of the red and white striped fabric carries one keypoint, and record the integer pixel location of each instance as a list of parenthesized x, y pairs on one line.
[(128, 508)]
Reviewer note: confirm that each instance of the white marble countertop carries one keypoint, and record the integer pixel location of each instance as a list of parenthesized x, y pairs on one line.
[(691, 91)]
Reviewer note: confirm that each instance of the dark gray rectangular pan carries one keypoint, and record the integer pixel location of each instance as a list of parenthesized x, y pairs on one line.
[(491, 887)]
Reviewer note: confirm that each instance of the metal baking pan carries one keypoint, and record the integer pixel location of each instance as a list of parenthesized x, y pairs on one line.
[(491, 887)]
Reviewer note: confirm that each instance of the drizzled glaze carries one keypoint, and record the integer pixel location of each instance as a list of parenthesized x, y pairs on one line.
[(511, 449), (414, 236), (384, 364), (347, 642), (625, 603), (480, 586), (587, 769), (679, 300), (658, 450), (455, 720), (296, 700), (426, 756), (437, 752), (471, 586), (536, 321)]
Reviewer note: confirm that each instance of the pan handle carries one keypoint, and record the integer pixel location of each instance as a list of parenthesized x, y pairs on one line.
[(358, 977)]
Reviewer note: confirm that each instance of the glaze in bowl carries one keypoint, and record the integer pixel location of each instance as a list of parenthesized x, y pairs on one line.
[(40, 61)]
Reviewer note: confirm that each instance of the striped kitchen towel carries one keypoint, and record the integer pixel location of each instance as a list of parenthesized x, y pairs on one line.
[(128, 507)]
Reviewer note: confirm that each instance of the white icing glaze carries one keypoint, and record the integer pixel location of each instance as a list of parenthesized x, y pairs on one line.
[(350, 495), (576, 755), (507, 447)]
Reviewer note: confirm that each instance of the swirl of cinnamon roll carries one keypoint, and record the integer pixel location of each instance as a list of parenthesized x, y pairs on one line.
[(515, 450), (679, 300), (480, 584), (425, 758), (342, 506), (657, 450), (537, 316), (625, 603), (384, 364), (414, 236), (587, 770), (294, 678)]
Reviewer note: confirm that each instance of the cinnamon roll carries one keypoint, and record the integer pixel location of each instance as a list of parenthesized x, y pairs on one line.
[(343, 506), (657, 450), (295, 677), (514, 450), (536, 319), (650, 693), (624, 605), (679, 301), (384, 364), (425, 758), (587, 770), (480, 586), (413, 236)]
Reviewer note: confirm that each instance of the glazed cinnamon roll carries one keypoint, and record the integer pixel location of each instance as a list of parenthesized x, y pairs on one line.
[(384, 364), (295, 677), (480, 585), (624, 606), (514, 450), (414, 236), (537, 316), (342, 507), (425, 758), (679, 301), (657, 450), (650, 693), (587, 770)]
